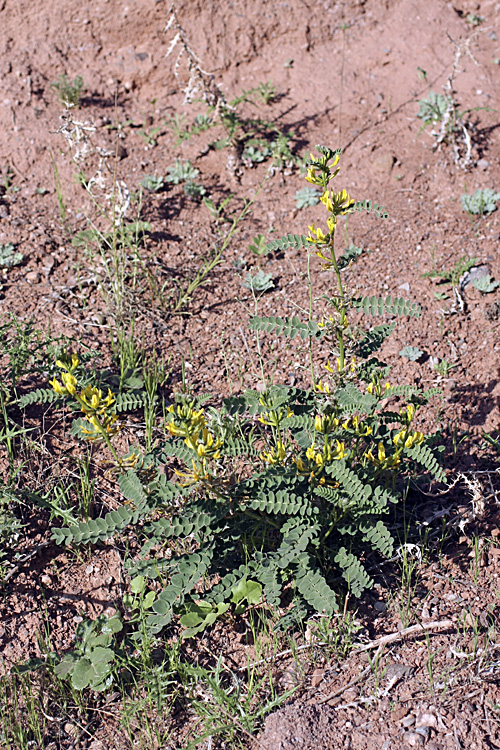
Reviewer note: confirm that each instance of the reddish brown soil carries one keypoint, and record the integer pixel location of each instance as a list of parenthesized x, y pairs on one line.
[(347, 74)]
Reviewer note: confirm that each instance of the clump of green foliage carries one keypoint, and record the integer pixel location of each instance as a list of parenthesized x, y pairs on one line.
[(482, 201), (68, 91), (152, 183), (433, 107), (276, 497), (306, 197), (9, 257), (259, 283), (183, 173)]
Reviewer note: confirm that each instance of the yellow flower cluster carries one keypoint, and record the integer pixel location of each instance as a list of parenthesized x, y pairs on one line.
[(329, 453), (316, 175), (357, 426), (274, 417), (382, 460), (403, 439), (408, 438), (96, 407), (185, 421), (275, 455), (190, 424), (376, 389)]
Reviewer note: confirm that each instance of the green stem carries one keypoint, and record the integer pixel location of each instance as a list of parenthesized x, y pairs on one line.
[(341, 308), (309, 282), (108, 443)]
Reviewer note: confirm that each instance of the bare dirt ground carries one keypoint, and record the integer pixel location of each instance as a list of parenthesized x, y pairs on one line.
[(347, 74)]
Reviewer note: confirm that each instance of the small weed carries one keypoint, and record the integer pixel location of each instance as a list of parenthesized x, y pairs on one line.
[(477, 558), (443, 367), (336, 634), (68, 91), (378, 671), (485, 284), (431, 658), (473, 19), (452, 126), (257, 154), (10, 530), (410, 557), (453, 275), (483, 201), (231, 710), (150, 136), (433, 107), (307, 197), (259, 246), (184, 173), (181, 171), (8, 256), (266, 92), (413, 353), (259, 283), (152, 183), (193, 190), (217, 212), (176, 123)]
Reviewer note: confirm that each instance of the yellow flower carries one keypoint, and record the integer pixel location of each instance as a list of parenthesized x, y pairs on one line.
[(185, 422), (376, 388), (402, 439), (274, 456), (326, 200), (311, 453), (381, 453), (342, 203), (340, 451), (323, 387), (68, 362), (57, 387), (68, 384), (207, 445), (92, 402), (97, 428), (197, 475), (301, 466), (410, 412), (318, 238)]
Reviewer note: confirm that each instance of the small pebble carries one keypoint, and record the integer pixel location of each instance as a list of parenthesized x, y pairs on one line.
[(408, 721), (424, 731), (399, 713), (414, 739), (317, 677), (426, 720)]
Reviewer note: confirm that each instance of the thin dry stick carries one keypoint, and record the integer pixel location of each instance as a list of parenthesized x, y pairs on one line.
[(383, 641), (380, 643), (412, 630), (25, 558)]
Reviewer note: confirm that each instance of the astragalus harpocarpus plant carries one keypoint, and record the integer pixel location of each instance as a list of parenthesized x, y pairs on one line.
[(277, 497)]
